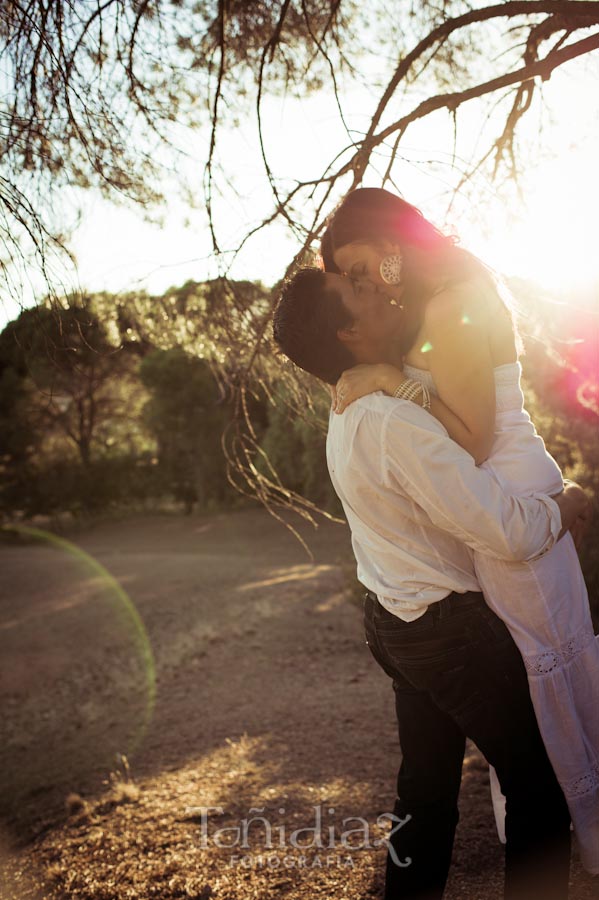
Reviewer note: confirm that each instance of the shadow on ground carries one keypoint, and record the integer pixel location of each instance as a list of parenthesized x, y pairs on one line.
[(232, 673)]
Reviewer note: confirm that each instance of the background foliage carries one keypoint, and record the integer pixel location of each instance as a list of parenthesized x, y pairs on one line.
[(115, 402), (121, 400)]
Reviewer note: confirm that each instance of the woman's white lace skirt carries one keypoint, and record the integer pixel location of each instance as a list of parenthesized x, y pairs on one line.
[(545, 606)]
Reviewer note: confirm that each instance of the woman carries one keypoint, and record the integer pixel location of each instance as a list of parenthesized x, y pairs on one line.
[(462, 364)]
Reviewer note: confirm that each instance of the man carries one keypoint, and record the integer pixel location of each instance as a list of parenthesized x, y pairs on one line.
[(455, 668)]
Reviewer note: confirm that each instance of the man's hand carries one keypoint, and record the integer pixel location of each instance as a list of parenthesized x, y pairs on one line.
[(576, 511)]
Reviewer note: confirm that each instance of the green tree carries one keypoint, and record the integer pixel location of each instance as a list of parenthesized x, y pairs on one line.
[(69, 401), (294, 445), (97, 93), (69, 369), (187, 415)]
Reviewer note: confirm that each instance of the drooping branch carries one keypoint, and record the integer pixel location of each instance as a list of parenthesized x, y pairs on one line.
[(214, 126), (541, 68), (96, 89), (522, 77), (584, 12), (358, 154)]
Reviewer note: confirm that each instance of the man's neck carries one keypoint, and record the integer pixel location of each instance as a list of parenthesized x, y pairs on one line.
[(391, 356)]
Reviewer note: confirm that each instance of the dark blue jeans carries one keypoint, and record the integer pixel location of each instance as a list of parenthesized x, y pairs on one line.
[(457, 673)]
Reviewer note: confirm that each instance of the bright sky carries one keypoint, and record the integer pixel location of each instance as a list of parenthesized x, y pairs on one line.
[(551, 237)]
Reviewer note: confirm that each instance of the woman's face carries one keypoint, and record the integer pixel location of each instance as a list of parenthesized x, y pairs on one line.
[(362, 260)]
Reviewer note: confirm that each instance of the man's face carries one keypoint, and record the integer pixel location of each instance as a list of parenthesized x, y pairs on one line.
[(377, 328), (362, 260)]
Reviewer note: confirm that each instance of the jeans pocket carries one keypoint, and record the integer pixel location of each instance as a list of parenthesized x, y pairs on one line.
[(428, 643), (498, 628), (389, 625)]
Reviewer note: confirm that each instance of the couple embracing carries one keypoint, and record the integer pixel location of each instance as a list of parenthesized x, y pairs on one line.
[(465, 539)]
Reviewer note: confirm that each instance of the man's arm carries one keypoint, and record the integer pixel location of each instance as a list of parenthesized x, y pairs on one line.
[(419, 457)]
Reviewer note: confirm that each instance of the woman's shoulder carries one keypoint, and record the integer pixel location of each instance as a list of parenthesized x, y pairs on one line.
[(472, 298), (475, 303)]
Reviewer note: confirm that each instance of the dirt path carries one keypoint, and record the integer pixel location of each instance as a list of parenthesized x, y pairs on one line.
[(266, 698)]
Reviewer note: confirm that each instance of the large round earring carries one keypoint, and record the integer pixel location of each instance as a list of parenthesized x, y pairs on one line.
[(390, 269)]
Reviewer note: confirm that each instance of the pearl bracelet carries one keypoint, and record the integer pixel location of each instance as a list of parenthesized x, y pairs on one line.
[(410, 389)]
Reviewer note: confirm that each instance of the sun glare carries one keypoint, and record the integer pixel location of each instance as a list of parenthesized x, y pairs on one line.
[(553, 240), (557, 245)]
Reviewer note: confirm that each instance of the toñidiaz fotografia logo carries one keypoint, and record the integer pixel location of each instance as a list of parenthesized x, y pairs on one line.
[(319, 844)]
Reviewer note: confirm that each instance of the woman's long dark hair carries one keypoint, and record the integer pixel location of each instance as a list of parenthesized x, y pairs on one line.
[(374, 215)]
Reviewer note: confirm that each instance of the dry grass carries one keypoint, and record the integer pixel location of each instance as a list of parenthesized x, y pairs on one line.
[(278, 706)]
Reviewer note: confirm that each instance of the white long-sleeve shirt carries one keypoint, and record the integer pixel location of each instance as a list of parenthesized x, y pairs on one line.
[(417, 506)]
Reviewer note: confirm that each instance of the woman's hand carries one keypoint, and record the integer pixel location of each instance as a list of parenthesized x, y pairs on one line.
[(582, 522), (361, 380), (580, 529), (576, 511)]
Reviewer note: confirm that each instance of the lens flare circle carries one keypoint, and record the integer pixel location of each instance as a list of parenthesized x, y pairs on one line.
[(121, 602)]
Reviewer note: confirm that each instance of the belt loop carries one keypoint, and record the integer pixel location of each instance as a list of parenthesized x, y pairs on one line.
[(371, 605), (444, 606)]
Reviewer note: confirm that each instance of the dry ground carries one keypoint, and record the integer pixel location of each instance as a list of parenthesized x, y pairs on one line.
[(266, 698)]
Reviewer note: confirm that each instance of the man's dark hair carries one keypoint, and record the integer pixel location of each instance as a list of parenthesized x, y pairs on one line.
[(306, 320)]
